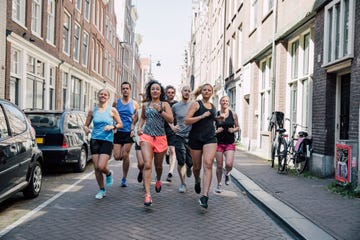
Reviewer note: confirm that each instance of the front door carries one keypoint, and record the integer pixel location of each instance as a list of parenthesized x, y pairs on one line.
[(343, 109)]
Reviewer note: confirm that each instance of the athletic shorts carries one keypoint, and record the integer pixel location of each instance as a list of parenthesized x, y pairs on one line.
[(197, 144), (171, 139), (225, 147), (137, 146), (182, 151), (101, 147), (158, 143), (122, 138)]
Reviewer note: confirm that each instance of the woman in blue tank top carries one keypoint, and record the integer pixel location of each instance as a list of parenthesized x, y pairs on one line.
[(103, 117)]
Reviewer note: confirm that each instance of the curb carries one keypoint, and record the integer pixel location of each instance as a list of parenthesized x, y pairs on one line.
[(295, 221)]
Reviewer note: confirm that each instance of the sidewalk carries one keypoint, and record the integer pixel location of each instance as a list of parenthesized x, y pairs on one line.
[(305, 203)]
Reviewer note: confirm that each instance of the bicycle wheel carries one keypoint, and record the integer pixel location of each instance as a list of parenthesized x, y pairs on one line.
[(282, 153), (301, 158), (273, 146), (273, 150)]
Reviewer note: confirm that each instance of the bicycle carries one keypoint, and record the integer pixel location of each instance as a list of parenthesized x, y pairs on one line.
[(279, 143), (298, 150)]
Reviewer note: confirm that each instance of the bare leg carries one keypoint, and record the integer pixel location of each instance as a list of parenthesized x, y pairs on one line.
[(209, 151), (219, 166)]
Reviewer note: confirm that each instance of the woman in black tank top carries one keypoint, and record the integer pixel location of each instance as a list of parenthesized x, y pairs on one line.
[(202, 139), (225, 134)]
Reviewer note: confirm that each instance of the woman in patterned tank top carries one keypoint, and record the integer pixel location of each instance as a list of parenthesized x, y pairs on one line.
[(155, 111)]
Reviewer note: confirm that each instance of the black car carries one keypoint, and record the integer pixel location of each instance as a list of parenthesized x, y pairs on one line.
[(20, 159), (61, 138)]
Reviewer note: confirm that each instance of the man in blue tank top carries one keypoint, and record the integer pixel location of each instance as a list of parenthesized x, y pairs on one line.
[(123, 138)]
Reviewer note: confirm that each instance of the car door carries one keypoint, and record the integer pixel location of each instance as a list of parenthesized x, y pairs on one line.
[(8, 167), (71, 128), (22, 141)]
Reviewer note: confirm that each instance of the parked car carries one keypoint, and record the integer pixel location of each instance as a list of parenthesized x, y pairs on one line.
[(61, 138), (20, 159)]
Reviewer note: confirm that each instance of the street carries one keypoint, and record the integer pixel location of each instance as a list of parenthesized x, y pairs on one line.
[(67, 209)]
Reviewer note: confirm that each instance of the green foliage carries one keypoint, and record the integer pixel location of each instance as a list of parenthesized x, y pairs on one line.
[(346, 190)]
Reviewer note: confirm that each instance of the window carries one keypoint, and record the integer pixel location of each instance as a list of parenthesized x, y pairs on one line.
[(36, 17), (253, 14), (35, 77), (78, 5), (264, 89), (17, 121), (75, 93), (87, 10), (66, 33), (85, 49), (267, 6), (294, 59), (85, 94), (3, 126), (77, 31), (50, 21), (293, 102), (339, 30), (52, 78), (65, 89), (299, 81), (18, 11)]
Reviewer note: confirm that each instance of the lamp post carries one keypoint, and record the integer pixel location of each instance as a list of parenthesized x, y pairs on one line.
[(158, 64), (122, 44)]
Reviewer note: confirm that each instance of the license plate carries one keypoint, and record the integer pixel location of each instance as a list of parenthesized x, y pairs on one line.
[(39, 140)]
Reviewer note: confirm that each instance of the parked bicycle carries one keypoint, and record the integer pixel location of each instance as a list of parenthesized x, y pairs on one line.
[(299, 149), (295, 151)]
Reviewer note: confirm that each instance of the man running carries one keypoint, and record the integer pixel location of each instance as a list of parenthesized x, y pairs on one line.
[(170, 135), (181, 130), (123, 138)]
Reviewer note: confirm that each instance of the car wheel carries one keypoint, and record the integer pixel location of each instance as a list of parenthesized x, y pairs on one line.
[(80, 166), (35, 182)]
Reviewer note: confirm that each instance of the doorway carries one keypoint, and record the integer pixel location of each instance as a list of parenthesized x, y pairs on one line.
[(343, 109)]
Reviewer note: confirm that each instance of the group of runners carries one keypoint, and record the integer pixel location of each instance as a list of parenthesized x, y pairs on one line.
[(192, 132)]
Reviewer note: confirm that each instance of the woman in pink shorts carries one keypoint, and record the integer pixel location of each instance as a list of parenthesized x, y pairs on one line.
[(155, 111), (225, 134)]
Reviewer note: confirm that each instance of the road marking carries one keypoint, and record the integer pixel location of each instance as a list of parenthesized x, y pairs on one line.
[(41, 206)]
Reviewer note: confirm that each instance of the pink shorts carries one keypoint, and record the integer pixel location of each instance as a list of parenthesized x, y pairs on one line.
[(158, 143), (225, 147)]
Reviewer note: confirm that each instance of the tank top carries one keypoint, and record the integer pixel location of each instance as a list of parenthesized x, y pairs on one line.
[(205, 128), (126, 112), (154, 125), (225, 137), (100, 120)]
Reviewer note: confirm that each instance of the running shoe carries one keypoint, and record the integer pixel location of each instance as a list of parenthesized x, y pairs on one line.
[(109, 179), (182, 188), (188, 171), (101, 194), (158, 186), (123, 182), (218, 188), (140, 177), (204, 201), (147, 200), (227, 179), (197, 187), (169, 177)]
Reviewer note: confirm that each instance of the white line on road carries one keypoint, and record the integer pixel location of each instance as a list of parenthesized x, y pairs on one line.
[(41, 206)]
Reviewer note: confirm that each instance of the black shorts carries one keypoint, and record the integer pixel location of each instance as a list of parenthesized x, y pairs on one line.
[(137, 147), (197, 144), (182, 151), (101, 147), (122, 138), (171, 139)]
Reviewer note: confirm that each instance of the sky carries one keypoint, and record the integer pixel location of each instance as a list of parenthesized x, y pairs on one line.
[(165, 27)]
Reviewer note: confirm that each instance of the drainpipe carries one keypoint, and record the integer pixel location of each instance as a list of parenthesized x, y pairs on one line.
[(224, 49), (273, 57)]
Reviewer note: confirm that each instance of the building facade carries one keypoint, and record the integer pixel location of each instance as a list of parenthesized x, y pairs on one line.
[(268, 56), (60, 53)]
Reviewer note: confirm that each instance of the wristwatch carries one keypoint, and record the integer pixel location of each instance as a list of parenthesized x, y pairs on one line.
[(160, 111)]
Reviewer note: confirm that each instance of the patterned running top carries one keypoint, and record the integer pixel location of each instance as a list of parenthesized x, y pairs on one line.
[(154, 125)]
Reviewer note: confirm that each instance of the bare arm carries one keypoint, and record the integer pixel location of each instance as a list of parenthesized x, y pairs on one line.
[(166, 112), (236, 123), (88, 120), (190, 119), (141, 121), (116, 118)]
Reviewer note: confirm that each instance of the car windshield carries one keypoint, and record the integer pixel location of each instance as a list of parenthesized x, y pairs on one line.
[(41, 121)]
